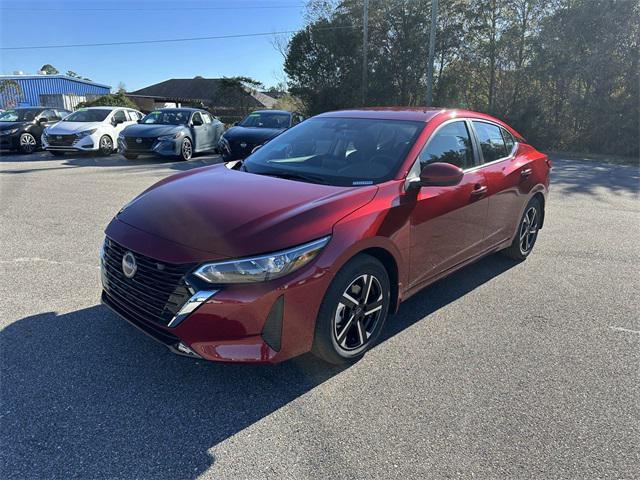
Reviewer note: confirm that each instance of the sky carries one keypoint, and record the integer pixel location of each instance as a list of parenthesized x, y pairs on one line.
[(58, 22)]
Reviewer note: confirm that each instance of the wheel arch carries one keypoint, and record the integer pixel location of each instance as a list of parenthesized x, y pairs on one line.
[(391, 266), (541, 198)]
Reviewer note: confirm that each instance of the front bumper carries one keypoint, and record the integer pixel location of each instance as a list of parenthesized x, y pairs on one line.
[(9, 142), (70, 143), (263, 323), (149, 146), (235, 149)]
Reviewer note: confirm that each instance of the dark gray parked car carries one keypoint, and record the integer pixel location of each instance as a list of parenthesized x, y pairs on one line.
[(174, 132)]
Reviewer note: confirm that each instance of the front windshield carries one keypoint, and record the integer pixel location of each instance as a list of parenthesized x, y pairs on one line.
[(19, 115), (167, 117), (266, 120), (337, 151), (84, 115)]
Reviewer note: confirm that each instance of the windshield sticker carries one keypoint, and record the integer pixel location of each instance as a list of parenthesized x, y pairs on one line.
[(362, 182)]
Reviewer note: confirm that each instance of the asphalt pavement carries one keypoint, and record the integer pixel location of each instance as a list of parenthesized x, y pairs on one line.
[(504, 370)]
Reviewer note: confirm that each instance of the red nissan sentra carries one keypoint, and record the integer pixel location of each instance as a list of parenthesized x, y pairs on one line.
[(317, 236)]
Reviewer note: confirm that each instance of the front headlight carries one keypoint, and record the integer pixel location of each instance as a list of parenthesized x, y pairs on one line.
[(86, 133), (9, 132), (170, 137), (263, 267)]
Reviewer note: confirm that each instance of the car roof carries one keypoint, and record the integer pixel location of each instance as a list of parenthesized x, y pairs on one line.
[(272, 111), (175, 109), (419, 114)]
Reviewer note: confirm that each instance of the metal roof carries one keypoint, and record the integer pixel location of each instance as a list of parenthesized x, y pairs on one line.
[(43, 77)]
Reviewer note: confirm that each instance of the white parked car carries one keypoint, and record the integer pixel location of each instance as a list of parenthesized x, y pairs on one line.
[(93, 129)]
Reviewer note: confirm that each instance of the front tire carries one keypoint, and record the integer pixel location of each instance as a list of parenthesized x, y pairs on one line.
[(353, 311), (27, 143), (105, 146), (527, 233), (186, 150)]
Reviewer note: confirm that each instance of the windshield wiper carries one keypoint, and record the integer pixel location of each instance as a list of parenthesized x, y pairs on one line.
[(296, 176)]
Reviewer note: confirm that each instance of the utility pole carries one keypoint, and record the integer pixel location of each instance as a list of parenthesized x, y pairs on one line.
[(365, 48), (432, 52)]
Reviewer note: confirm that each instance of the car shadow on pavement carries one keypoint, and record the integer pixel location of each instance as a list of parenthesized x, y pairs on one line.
[(84, 394)]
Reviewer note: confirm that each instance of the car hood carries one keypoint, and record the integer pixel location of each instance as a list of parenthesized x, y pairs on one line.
[(142, 131), (10, 125), (66, 128), (230, 213), (251, 135)]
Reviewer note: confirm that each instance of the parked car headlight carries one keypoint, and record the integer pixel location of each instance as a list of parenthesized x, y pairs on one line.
[(170, 137), (263, 267), (86, 133), (9, 132)]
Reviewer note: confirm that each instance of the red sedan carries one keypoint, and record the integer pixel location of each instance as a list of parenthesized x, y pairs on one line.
[(310, 242)]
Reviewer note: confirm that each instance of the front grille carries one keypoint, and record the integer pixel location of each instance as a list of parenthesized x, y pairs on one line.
[(154, 295), (61, 140), (238, 151), (145, 143)]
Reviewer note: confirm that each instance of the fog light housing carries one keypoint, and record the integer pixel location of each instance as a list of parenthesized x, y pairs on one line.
[(182, 348)]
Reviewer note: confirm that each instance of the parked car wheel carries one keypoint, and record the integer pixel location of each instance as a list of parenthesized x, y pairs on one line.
[(527, 234), (106, 145), (56, 153), (28, 143), (186, 150), (130, 156), (353, 311)]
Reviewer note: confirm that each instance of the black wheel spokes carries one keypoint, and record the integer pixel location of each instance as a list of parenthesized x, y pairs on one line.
[(358, 312)]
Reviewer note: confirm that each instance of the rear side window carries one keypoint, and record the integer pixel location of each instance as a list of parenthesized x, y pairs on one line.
[(508, 140), (120, 116), (491, 141), (206, 117), (133, 115), (451, 144)]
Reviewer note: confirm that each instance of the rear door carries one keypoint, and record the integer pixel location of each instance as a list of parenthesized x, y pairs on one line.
[(508, 179), (119, 121), (448, 223)]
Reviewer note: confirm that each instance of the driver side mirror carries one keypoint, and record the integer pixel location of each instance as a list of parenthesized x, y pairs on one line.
[(440, 174)]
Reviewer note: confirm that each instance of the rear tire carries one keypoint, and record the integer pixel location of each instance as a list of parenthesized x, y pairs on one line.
[(353, 311), (130, 156), (527, 233)]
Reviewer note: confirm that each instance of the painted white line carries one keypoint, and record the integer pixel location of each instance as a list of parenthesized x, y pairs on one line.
[(622, 329)]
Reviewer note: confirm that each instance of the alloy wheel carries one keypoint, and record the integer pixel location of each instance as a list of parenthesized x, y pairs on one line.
[(106, 145), (27, 143), (528, 230), (186, 149), (358, 312)]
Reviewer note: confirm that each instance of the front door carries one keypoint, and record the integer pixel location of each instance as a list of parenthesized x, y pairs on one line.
[(200, 135), (448, 223)]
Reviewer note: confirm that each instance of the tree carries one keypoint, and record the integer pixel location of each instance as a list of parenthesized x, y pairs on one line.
[(557, 70), (118, 99), (10, 93), (49, 69)]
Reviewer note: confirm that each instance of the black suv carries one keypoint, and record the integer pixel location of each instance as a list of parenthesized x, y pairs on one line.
[(21, 128)]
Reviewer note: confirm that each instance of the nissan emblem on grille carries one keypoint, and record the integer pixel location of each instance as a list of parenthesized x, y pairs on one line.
[(129, 266), (138, 140)]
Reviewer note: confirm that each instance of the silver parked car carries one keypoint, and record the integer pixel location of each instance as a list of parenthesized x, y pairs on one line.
[(173, 132)]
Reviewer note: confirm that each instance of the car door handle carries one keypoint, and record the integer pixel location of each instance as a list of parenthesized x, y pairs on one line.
[(479, 190), (525, 172)]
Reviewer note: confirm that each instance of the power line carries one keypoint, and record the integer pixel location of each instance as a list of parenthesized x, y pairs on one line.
[(169, 40), (65, 10)]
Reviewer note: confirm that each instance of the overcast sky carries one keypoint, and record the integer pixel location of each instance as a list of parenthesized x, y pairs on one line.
[(29, 23)]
